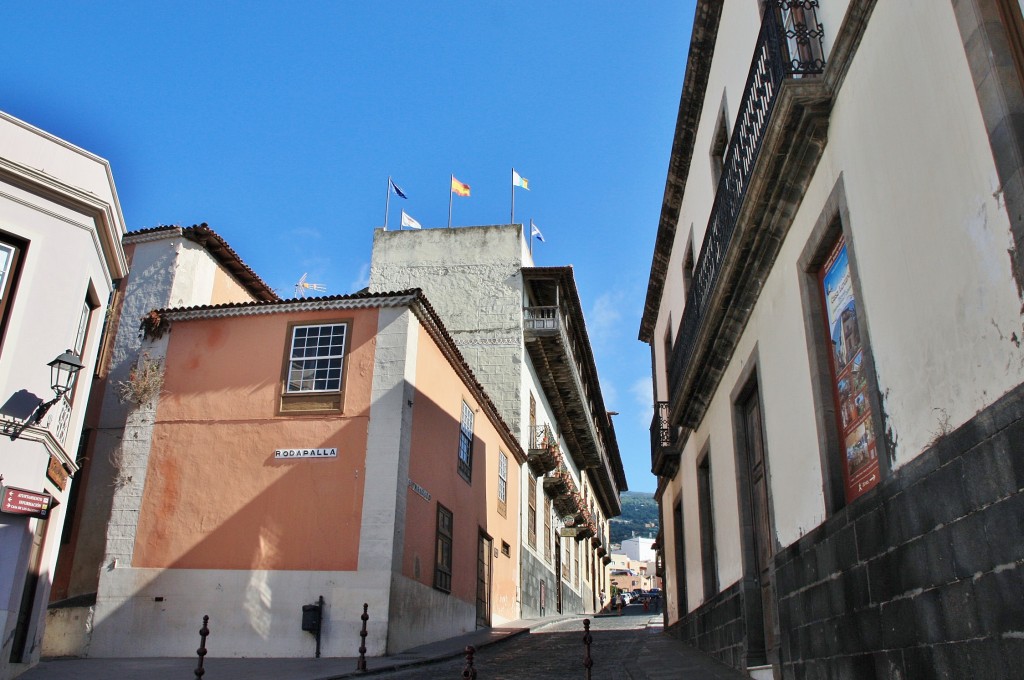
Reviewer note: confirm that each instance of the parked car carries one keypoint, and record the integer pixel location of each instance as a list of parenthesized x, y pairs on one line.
[(627, 597)]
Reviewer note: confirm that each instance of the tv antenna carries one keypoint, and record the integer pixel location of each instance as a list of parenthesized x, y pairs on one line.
[(302, 286)]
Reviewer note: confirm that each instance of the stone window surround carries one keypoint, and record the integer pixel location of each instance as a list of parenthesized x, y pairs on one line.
[(833, 222), (993, 35)]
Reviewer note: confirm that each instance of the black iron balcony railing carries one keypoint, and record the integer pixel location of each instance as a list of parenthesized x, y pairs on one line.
[(664, 452), (789, 45)]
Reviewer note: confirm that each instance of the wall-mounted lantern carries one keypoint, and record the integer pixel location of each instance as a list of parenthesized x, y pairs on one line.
[(63, 371)]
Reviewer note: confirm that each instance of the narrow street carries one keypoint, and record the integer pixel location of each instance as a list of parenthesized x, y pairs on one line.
[(629, 646)]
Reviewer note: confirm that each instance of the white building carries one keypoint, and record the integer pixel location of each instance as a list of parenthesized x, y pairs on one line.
[(521, 330), (834, 314), (639, 549), (60, 259)]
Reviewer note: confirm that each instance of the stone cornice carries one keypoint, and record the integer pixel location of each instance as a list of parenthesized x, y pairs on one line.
[(691, 102)]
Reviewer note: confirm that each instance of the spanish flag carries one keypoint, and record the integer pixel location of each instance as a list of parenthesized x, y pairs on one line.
[(458, 188)]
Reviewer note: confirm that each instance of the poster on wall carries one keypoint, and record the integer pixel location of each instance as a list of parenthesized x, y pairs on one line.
[(856, 430)]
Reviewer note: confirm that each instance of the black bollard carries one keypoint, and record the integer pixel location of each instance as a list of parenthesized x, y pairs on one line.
[(203, 632), (469, 672), (588, 663), (361, 663)]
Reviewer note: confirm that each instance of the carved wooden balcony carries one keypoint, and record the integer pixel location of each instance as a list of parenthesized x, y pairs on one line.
[(543, 454)]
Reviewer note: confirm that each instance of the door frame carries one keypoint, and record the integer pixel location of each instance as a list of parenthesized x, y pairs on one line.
[(763, 641), (484, 578)]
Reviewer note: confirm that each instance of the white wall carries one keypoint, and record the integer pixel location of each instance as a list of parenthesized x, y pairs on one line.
[(931, 237), (72, 223)]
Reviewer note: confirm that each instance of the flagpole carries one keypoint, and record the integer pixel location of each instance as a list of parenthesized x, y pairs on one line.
[(531, 238), (512, 217), (450, 183), (387, 204)]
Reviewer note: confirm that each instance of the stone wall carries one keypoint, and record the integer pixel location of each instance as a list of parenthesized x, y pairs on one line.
[(923, 576), (471, 276), (716, 627)]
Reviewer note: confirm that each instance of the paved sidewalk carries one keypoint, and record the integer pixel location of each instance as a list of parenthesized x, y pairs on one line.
[(656, 657), (273, 669)]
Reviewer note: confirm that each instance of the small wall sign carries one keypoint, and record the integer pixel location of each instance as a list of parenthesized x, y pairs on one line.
[(423, 493), (305, 453), (56, 473), (17, 501)]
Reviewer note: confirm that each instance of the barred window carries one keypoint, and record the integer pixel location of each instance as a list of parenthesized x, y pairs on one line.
[(443, 558), (316, 357), (466, 443)]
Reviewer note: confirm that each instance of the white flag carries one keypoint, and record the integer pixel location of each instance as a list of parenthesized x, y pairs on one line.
[(410, 222), (534, 231)]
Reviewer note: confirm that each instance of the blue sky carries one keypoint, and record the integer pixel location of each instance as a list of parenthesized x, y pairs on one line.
[(279, 125)]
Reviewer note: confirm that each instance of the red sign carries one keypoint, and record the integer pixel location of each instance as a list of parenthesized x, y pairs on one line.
[(17, 501)]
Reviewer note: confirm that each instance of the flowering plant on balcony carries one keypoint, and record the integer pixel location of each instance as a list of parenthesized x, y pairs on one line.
[(559, 483), (544, 455)]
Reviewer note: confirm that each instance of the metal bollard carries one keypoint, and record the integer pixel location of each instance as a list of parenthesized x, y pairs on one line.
[(588, 663), (203, 632), (361, 663), (469, 672)]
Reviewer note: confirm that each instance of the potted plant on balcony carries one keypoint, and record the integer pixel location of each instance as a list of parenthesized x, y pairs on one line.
[(544, 455)]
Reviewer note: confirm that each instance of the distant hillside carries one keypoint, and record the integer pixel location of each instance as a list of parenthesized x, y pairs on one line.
[(639, 517)]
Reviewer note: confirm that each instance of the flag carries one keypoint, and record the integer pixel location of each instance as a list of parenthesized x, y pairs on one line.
[(534, 231), (408, 221), (458, 188), (520, 181), (397, 189)]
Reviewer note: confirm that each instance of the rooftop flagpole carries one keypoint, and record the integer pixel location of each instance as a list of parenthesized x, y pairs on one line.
[(450, 184), (512, 217), (387, 204)]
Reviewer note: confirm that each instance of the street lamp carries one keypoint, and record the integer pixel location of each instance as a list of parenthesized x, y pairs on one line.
[(63, 371)]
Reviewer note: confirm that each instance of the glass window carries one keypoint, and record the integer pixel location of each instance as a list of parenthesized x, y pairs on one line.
[(466, 443), (531, 512), (316, 358), (502, 483), (6, 264)]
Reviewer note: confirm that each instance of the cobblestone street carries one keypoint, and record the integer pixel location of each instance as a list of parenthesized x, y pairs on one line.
[(630, 646)]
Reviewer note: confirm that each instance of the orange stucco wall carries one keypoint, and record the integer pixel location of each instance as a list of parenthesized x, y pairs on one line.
[(433, 465), (227, 289), (215, 496)]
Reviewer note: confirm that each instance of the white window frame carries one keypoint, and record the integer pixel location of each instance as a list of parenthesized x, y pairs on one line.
[(335, 361), (502, 482)]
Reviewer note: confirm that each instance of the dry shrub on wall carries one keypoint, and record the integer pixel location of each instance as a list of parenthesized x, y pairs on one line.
[(144, 382)]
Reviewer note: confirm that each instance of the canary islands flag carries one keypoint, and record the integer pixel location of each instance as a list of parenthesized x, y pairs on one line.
[(520, 181)]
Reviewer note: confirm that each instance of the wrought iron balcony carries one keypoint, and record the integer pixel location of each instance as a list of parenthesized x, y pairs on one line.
[(664, 451), (788, 47)]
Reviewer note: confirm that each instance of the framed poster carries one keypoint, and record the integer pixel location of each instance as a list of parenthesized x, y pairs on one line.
[(857, 438)]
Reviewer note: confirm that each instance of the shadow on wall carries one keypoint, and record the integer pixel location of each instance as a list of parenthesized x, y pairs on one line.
[(228, 530)]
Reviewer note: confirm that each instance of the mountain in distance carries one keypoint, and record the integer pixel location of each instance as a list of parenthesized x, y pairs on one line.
[(639, 517)]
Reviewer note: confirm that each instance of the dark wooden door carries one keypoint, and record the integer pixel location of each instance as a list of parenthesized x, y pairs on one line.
[(763, 543), (483, 582)]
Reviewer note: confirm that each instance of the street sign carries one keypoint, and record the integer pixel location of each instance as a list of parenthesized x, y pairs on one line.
[(17, 501)]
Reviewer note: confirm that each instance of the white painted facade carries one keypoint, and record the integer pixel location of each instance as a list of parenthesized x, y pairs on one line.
[(639, 549), (58, 205), (909, 161)]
